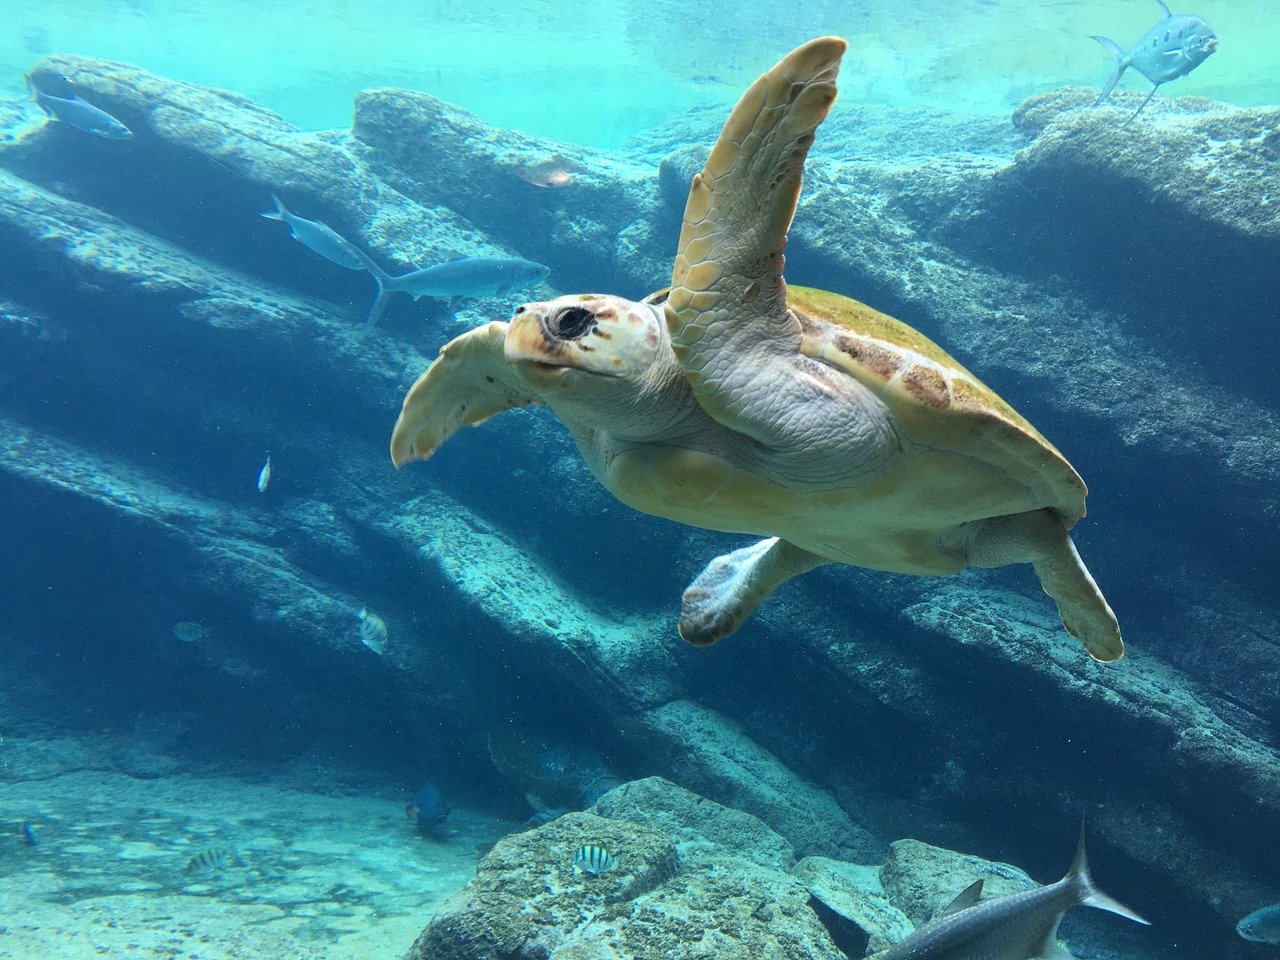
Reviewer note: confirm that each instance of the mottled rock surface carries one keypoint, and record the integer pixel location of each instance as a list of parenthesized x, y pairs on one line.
[(673, 893)]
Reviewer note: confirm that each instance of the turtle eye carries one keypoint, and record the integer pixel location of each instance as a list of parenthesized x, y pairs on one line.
[(573, 323)]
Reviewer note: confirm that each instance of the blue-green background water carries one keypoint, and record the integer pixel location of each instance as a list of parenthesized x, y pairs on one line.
[(595, 74), (139, 395)]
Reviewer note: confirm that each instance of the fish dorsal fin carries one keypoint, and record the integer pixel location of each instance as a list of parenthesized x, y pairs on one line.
[(1163, 7), (969, 896)]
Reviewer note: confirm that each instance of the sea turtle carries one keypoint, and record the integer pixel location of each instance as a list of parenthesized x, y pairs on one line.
[(736, 403)]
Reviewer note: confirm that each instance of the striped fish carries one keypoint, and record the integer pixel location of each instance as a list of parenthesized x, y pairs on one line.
[(593, 859), (211, 860), (373, 631)]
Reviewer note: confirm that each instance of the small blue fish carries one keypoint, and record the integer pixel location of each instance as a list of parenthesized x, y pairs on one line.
[(1261, 926), (1174, 47), (318, 237), (29, 834), (455, 279), (593, 859), (428, 808), (77, 112)]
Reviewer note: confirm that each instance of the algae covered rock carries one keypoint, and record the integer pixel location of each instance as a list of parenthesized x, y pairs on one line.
[(669, 895)]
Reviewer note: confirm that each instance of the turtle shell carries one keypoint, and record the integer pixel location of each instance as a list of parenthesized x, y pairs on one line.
[(938, 404)]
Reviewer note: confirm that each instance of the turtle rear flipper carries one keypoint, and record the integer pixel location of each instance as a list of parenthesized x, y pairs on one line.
[(732, 586), (467, 384), (1040, 537)]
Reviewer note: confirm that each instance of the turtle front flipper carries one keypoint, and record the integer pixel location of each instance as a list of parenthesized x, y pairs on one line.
[(467, 384), (728, 591), (727, 309)]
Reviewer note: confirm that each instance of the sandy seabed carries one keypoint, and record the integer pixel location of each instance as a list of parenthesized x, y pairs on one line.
[(294, 874)]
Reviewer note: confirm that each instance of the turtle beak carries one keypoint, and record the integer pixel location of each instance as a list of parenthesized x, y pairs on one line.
[(529, 339)]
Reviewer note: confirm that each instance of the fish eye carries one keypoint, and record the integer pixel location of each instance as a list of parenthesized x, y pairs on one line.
[(572, 323)]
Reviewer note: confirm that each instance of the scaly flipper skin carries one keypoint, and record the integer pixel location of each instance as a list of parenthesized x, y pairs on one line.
[(467, 384), (726, 289), (732, 586)]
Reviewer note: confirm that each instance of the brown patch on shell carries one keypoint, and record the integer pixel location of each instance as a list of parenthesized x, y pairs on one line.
[(927, 384), (872, 355)]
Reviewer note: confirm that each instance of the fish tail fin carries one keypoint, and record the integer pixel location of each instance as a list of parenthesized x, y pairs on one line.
[(382, 279), (379, 304), (276, 214), (1122, 64), (1081, 880)]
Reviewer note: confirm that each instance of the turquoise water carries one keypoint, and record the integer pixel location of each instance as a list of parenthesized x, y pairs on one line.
[(596, 73), (233, 636)]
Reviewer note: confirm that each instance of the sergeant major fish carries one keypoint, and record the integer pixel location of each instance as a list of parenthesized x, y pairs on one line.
[(1174, 47), (77, 112), (373, 631), (1020, 926), (455, 279), (318, 237), (593, 859), (213, 860)]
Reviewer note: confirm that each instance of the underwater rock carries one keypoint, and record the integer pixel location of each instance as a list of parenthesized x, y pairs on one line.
[(211, 160), (614, 665), (225, 550), (855, 894), (711, 754), (920, 879), (1190, 178), (142, 762), (440, 154), (32, 759), (526, 902), (700, 829), (551, 775)]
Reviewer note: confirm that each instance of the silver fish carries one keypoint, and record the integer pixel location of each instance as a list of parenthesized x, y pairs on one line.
[(318, 237), (1021, 926), (455, 279), (1174, 47), (264, 475), (373, 631), (593, 859), (79, 113), (188, 631), (1261, 926)]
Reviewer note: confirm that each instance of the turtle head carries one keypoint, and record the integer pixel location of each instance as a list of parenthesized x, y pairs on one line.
[(595, 359), (592, 334)]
